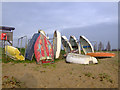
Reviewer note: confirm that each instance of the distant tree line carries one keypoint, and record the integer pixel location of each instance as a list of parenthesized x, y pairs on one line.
[(101, 47)]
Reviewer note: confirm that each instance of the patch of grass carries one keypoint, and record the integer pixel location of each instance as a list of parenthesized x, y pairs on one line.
[(71, 73), (61, 57), (106, 77), (88, 74), (11, 82), (82, 52), (53, 65), (62, 52), (43, 71), (25, 65), (22, 51), (110, 80), (8, 59), (118, 61), (56, 60), (48, 64), (99, 61)]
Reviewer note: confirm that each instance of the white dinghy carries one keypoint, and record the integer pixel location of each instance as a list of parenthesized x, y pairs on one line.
[(80, 59)]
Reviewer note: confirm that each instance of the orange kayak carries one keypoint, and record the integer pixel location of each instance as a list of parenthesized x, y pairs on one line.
[(101, 54)]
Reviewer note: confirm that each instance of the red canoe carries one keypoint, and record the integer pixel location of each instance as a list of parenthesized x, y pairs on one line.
[(101, 54), (43, 50)]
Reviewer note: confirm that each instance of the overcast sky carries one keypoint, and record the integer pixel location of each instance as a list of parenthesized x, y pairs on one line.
[(95, 20)]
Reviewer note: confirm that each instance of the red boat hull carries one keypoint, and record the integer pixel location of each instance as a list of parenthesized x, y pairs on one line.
[(43, 50)]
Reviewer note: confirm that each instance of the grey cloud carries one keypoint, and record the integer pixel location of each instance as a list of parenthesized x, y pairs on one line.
[(27, 18), (99, 32)]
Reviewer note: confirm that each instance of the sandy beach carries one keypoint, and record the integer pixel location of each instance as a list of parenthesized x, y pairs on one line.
[(61, 75)]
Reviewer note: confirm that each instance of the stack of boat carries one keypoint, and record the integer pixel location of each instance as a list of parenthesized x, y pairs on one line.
[(76, 57), (40, 46), (45, 51)]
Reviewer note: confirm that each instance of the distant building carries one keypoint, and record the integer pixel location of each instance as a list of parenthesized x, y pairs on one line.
[(108, 47), (6, 35)]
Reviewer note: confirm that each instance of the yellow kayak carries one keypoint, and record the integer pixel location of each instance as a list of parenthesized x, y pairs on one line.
[(14, 53)]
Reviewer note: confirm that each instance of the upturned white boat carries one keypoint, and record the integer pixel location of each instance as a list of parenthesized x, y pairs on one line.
[(89, 50), (66, 45), (75, 45), (57, 44), (80, 59), (86, 45)]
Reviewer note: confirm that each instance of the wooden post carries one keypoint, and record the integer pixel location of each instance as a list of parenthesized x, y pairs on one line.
[(25, 45), (21, 45), (6, 50)]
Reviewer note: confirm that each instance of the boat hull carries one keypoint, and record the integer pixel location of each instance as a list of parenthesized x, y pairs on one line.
[(101, 54), (30, 47), (14, 53), (80, 59), (75, 45), (66, 45), (86, 45), (57, 44), (43, 50)]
